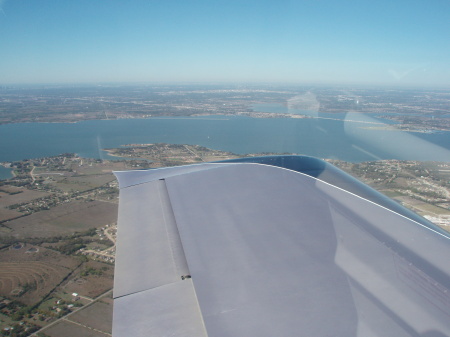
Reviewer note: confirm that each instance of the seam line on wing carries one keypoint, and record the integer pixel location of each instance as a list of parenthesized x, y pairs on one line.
[(206, 166), (140, 291), (167, 232)]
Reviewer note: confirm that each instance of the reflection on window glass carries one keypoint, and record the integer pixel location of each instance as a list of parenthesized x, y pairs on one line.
[(89, 87)]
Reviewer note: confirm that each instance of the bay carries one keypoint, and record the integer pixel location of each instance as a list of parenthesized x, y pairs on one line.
[(5, 173)]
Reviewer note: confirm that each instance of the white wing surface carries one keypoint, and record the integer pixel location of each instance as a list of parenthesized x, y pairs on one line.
[(249, 249)]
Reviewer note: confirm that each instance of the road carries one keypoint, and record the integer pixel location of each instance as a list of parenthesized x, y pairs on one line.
[(195, 154), (65, 318), (106, 252), (436, 187)]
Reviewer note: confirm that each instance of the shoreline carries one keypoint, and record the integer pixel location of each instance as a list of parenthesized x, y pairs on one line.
[(109, 152), (253, 114), (393, 128), (7, 166)]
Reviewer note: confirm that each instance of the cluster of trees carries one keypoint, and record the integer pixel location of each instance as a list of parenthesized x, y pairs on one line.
[(19, 311), (19, 330), (92, 271), (71, 246), (9, 192), (16, 182), (28, 287), (11, 240), (76, 241), (40, 204)]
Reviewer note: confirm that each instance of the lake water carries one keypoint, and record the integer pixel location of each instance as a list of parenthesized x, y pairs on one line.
[(346, 138), (5, 173)]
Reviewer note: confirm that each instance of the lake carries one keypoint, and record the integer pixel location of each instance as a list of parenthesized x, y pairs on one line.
[(346, 138)]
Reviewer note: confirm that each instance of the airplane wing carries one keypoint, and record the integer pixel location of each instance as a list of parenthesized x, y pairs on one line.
[(273, 246)]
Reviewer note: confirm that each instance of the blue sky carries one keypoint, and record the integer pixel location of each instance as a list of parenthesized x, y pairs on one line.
[(392, 42)]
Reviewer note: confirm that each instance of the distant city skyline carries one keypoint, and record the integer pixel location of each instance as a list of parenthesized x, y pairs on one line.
[(397, 43)]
